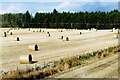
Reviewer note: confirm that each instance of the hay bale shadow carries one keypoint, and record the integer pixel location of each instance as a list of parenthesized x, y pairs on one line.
[(32, 62)]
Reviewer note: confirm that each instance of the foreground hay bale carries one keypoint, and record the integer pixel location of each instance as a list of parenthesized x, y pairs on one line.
[(17, 39), (4, 34), (33, 47), (25, 59)]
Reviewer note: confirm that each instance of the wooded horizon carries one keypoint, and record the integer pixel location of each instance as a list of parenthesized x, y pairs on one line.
[(68, 20)]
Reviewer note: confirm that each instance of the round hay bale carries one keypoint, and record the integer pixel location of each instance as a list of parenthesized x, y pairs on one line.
[(33, 30), (67, 39), (61, 31), (48, 35), (80, 33), (4, 34), (61, 37), (115, 36), (113, 29), (11, 33), (47, 32), (25, 59), (33, 47), (117, 31), (7, 31), (17, 39), (88, 29), (93, 29), (40, 30)]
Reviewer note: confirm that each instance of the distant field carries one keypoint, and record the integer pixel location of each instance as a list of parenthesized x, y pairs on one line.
[(51, 48)]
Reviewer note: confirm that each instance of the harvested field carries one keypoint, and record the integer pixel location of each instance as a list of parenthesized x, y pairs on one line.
[(52, 48)]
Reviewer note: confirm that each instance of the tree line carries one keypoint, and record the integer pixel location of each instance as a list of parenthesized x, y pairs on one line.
[(68, 20)]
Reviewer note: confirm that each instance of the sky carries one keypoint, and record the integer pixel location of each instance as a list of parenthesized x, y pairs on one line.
[(41, 6)]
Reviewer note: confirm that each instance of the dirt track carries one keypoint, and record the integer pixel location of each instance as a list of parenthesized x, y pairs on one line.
[(52, 48), (105, 68)]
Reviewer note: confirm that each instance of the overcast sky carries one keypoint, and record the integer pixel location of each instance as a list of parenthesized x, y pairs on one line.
[(21, 6)]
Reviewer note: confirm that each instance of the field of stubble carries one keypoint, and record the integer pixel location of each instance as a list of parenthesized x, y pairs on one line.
[(52, 48)]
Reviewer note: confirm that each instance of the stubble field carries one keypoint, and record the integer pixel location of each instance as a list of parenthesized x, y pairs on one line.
[(52, 48)]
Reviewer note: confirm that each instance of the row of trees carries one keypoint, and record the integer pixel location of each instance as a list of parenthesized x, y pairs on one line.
[(79, 20)]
